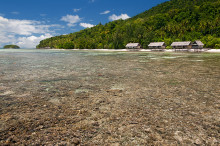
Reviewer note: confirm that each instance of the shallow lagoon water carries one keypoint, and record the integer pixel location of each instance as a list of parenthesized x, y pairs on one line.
[(96, 97)]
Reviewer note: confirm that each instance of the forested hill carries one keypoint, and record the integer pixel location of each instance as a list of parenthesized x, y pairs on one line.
[(11, 47), (175, 20)]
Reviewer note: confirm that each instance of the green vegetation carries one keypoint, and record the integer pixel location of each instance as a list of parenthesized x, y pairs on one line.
[(11, 46), (175, 20)]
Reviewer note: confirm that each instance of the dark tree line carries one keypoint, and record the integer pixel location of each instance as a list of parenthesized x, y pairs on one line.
[(11, 46)]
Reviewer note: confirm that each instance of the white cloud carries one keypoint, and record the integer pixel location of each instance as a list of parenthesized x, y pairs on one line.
[(86, 25), (1, 14), (76, 10), (71, 24), (31, 41), (23, 32), (115, 17), (22, 27), (105, 12), (5, 38), (71, 19)]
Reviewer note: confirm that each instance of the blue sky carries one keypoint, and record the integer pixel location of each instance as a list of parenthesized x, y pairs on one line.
[(26, 22)]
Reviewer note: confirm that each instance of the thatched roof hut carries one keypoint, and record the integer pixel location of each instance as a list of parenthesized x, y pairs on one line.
[(133, 46), (157, 45), (181, 45), (197, 45)]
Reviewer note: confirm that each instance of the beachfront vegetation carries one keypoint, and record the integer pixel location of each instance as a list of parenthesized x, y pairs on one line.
[(175, 20), (11, 46)]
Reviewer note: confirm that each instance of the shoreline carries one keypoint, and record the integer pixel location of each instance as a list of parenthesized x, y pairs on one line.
[(145, 50)]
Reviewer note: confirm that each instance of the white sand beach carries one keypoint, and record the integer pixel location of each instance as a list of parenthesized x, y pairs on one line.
[(213, 50), (148, 50)]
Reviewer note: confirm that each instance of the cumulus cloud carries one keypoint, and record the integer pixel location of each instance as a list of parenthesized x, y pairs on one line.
[(115, 17), (31, 41), (5, 38), (23, 32), (86, 25), (71, 19), (105, 12), (76, 10), (22, 27)]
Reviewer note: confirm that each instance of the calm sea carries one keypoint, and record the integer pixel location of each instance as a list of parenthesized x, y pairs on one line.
[(33, 69), (59, 93)]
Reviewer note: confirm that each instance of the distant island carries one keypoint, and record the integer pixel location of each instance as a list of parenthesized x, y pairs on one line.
[(11, 46)]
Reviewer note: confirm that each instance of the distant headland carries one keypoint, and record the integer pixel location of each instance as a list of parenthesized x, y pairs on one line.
[(11, 47)]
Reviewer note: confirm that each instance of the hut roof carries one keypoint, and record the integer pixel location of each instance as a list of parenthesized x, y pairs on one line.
[(187, 43), (199, 43), (156, 44), (132, 44)]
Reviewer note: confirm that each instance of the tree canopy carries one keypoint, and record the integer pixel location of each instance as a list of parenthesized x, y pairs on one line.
[(11, 46), (175, 20)]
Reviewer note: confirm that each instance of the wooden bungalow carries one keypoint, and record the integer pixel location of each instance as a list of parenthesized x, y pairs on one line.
[(157, 45), (133, 46), (181, 45), (197, 45)]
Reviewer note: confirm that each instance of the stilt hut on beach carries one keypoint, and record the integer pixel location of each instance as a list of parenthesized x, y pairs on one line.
[(157, 45), (133, 46), (197, 45), (181, 45)]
